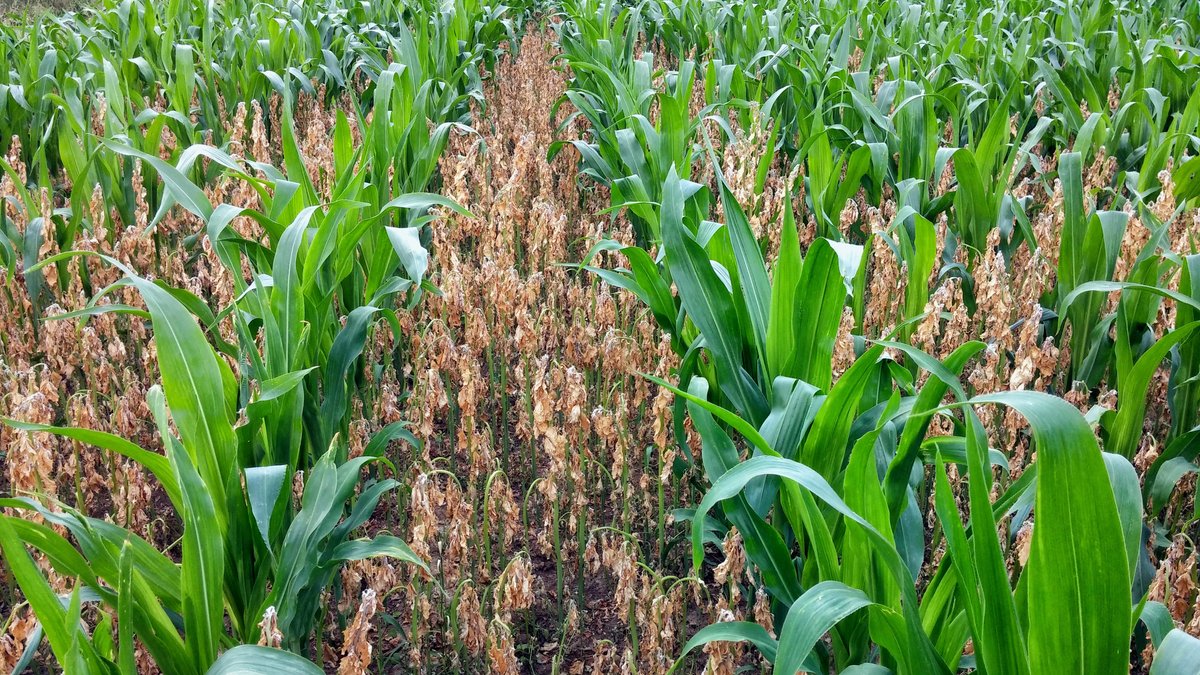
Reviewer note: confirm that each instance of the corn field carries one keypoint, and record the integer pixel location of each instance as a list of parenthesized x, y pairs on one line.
[(592, 336)]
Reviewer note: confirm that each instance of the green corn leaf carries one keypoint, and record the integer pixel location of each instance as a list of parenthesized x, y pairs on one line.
[(263, 485), (203, 564), (826, 444), (347, 347), (866, 669), (37, 592), (740, 425), (255, 660), (393, 431), (1070, 262), (928, 400), (65, 559), (816, 324), (125, 613), (752, 271), (1134, 384), (863, 493), (406, 242), (194, 383), (1179, 654), (972, 204), (1126, 490), (157, 465), (980, 563), (794, 405), (380, 546), (913, 644), (731, 631), (426, 200), (657, 289), (286, 301), (781, 336), (708, 303), (181, 189), (961, 558), (811, 616), (281, 385), (764, 545), (1079, 600)]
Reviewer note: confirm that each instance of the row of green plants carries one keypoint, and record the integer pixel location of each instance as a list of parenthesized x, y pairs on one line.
[(191, 63), (127, 84), (828, 498), (826, 479), (161, 80), (848, 97), (237, 440)]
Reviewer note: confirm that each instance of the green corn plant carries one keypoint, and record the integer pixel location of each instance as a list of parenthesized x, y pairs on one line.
[(830, 182), (124, 78), (1089, 247), (974, 569), (294, 399), (966, 78), (231, 533), (913, 240), (685, 25), (984, 173), (627, 151), (335, 275), (1032, 628), (826, 527), (1136, 356), (756, 332)]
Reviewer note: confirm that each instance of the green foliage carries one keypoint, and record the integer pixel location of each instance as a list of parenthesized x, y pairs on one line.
[(818, 473), (106, 84)]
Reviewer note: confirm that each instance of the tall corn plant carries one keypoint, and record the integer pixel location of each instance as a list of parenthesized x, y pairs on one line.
[(1070, 608), (245, 546), (760, 331), (128, 76), (239, 537), (826, 500), (616, 93), (1124, 344)]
